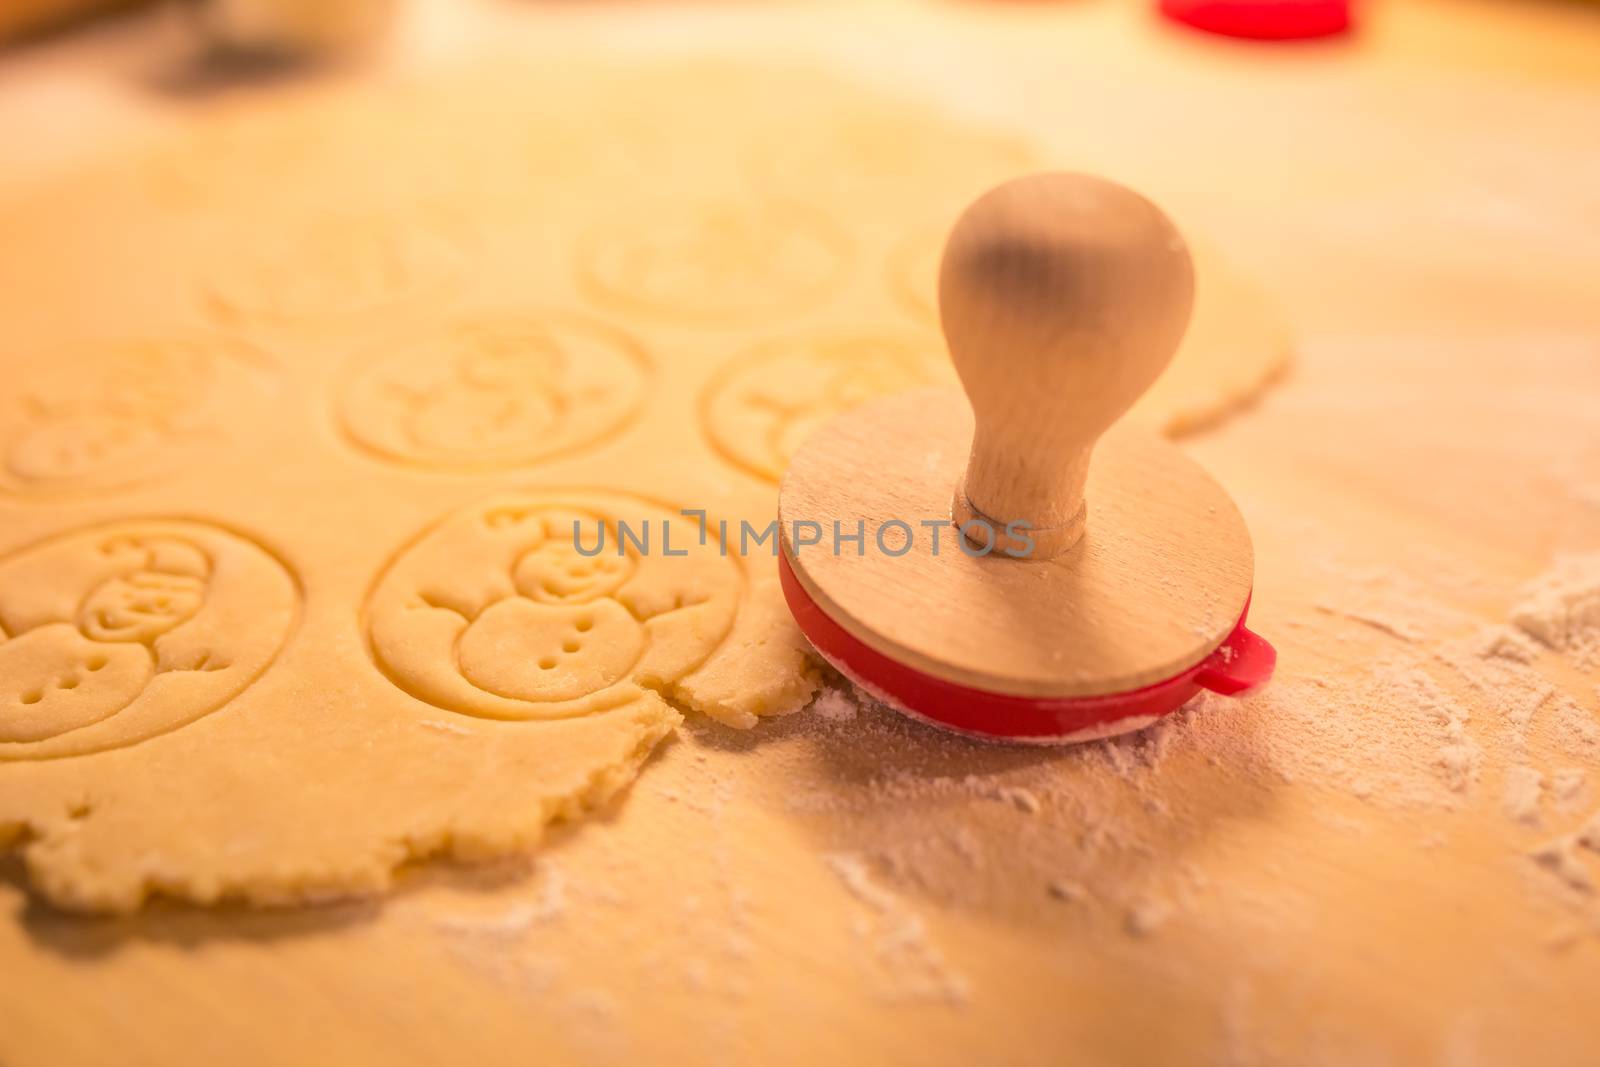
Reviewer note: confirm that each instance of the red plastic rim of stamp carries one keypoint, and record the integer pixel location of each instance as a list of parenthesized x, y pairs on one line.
[(1243, 662)]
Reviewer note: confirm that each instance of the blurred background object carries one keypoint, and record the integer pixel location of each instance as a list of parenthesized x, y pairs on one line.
[(289, 27), (21, 18), (286, 28)]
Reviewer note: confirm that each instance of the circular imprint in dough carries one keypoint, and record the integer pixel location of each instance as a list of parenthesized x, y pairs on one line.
[(316, 268), (882, 153), (117, 633), (113, 413), (494, 391), (761, 405), (551, 604), (1237, 343), (713, 263)]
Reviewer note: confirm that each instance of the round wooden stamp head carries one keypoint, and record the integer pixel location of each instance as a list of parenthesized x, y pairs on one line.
[(963, 558)]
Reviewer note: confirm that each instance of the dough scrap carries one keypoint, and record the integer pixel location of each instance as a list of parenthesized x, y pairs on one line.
[(306, 501)]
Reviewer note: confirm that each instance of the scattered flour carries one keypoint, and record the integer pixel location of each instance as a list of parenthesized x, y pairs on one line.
[(1561, 610), (1395, 737), (1440, 706), (1520, 798), (1378, 622), (514, 922), (1147, 916), (1567, 784), (1562, 855), (1510, 688), (499, 945), (1024, 800), (445, 727), (1502, 642), (598, 1021), (911, 967), (835, 705), (1576, 727)]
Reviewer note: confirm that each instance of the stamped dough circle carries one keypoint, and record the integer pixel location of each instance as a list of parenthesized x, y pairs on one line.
[(550, 605), (329, 268), (1236, 345), (494, 390), (886, 153), (107, 414), (713, 263), (761, 405), (117, 633)]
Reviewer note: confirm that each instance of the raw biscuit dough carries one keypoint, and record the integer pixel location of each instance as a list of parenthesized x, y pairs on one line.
[(549, 606), (108, 413), (762, 405), (346, 265), (287, 591), (494, 388), (713, 261), (121, 632)]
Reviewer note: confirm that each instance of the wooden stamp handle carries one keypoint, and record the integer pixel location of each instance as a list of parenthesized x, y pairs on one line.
[(1063, 296)]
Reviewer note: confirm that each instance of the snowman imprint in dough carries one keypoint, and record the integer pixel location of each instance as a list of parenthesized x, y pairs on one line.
[(761, 405), (313, 269), (65, 675), (497, 613), (116, 633), (494, 390), (713, 262), (114, 413)]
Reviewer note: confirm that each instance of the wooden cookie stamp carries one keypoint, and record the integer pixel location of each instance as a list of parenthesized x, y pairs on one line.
[(963, 559)]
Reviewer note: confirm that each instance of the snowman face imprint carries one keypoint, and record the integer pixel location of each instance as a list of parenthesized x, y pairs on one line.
[(494, 390), (555, 572), (498, 392), (495, 612), (760, 406), (141, 606), (337, 267), (75, 446), (140, 653), (110, 414), (714, 261)]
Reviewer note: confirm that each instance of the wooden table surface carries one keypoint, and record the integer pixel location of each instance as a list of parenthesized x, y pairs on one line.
[(1343, 869)]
